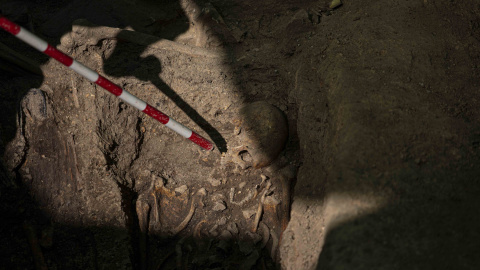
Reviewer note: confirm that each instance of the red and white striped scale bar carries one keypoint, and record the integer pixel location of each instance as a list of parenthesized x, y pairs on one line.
[(43, 46)]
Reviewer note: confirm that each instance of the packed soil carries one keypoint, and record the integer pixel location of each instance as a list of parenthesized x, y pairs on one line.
[(345, 136)]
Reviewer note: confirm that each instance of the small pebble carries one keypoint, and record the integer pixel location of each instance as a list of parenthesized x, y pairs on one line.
[(219, 206), (242, 184)]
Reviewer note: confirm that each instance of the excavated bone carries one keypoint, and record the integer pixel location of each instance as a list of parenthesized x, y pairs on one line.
[(143, 209), (197, 200), (242, 202), (264, 132), (260, 208), (265, 234), (274, 236), (197, 232)]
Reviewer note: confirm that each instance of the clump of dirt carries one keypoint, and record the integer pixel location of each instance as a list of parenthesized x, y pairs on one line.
[(380, 104)]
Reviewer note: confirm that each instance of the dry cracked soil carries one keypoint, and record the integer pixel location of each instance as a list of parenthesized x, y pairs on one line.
[(345, 137)]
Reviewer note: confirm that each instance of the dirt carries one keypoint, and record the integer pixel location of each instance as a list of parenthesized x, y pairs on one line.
[(378, 171)]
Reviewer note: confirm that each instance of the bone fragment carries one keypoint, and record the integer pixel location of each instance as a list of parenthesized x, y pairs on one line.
[(286, 181), (195, 202), (254, 237), (257, 188), (75, 94), (157, 186), (260, 207), (143, 209), (187, 219), (274, 244), (156, 207), (265, 234), (242, 202), (213, 230), (197, 231)]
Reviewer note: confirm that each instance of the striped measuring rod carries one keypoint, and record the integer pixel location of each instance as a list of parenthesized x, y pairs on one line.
[(43, 46)]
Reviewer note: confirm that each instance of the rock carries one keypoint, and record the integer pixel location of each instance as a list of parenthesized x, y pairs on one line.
[(264, 132), (219, 206)]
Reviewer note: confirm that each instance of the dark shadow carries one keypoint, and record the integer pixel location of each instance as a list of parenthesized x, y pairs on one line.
[(88, 248), (15, 82), (434, 225)]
